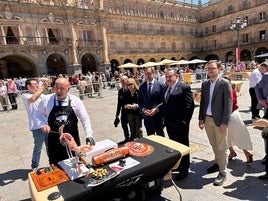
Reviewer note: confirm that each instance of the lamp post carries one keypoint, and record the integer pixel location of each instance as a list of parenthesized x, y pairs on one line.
[(237, 25)]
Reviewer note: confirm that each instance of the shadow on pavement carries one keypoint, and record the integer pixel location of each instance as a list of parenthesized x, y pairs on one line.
[(197, 177), (245, 111), (243, 187), (13, 175), (242, 192)]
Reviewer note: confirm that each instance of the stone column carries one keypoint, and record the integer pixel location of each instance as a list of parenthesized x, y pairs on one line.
[(74, 50), (105, 46), (74, 65)]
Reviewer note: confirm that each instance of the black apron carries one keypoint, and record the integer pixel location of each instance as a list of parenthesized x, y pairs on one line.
[(61, 115)]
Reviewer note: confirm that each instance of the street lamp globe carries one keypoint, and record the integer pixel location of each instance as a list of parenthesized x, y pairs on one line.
[(238, 25)]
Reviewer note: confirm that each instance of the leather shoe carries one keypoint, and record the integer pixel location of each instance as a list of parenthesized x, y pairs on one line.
[(213, 168), (263, 177), (220, 179), (123, 142), (263, 161), (181, 176)]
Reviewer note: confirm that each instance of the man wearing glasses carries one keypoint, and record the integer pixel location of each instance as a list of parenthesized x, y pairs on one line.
[(214, 114), (63, 108), (150, 99), (178, 107)]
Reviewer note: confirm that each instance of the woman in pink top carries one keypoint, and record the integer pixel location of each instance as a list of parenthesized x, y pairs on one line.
[(12, 93)]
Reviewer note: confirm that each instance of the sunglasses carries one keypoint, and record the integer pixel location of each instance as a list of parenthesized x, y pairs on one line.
[(130, 84)]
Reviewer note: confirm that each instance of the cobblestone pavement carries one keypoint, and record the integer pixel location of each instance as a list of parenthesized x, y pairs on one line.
[(242, 183)]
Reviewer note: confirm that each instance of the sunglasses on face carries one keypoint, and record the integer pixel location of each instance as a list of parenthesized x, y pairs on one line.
[(130, 84)]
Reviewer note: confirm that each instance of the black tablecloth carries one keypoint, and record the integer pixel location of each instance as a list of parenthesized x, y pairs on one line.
[(151, 167)]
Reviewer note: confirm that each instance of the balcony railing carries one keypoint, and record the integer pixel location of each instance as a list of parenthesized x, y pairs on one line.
[(149, 32), (45, 41), (89, 43), (230, 10), (33, 41), (137, 50)]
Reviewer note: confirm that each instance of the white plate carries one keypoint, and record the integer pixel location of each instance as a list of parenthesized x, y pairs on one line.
[(95, 182)]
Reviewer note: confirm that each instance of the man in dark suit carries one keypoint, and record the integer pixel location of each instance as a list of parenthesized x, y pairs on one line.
[(178, 107), (123, 118), (149, 100), (214, 114), (261, 90), (265, 137)]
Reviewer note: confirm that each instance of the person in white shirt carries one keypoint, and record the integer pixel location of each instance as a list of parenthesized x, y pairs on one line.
[(23, 83), (3, 95), (255, 77), (62, 108), (31, 101)]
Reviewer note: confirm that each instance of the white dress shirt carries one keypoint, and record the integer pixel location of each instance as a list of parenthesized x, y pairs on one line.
[(255, 77), (211, 90), (80, 111)]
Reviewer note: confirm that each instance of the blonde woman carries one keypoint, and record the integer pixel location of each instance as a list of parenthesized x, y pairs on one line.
[(130, 103)]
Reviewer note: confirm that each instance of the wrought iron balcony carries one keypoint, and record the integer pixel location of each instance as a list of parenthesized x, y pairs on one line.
[(89, 43), (149, 32), (12, 41), (33, 41)]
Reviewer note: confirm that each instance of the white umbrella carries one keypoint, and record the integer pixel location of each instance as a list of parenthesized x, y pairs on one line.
[(197, 61), (150, 64), (181, 62), (129, 65), (167, 62), (262, 55)]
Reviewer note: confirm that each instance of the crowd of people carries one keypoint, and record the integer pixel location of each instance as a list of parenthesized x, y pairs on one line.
[(166, 101), (153, 98)]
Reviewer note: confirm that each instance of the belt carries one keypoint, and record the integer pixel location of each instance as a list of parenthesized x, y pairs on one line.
[(209, 116)]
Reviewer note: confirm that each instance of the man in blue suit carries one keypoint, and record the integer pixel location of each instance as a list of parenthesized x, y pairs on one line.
[(178, 108), (149, 100)]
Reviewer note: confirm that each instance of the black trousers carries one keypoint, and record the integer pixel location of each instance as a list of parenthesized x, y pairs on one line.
[(13, 101), (179, 132), (124, 125), (154, 125), (254, 102), (265, 137)]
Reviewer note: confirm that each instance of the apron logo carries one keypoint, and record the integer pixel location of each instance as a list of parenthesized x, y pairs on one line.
[(62, 118)]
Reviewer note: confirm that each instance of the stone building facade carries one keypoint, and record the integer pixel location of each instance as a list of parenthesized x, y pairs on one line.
[(72, 36)]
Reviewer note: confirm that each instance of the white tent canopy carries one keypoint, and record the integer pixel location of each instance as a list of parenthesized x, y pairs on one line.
[(150, 64), (129, 65), (181, 62), (198, 61), (262, 55), (167, 62)]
